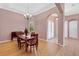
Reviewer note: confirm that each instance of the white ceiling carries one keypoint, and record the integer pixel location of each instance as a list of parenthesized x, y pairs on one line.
[(33, 8), (71, 8), (36, 8)]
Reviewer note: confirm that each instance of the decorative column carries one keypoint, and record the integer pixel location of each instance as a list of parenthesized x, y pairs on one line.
[(68, 30), (78, 28), (60, 23), (54, 29), (60, 29)]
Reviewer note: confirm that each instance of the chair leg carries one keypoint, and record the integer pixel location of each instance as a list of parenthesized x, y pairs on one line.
[(26, 47), (19, 45), (36, 46), (30, 48)]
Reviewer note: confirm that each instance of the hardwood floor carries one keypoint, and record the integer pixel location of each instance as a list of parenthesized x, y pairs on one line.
[(45, 49)]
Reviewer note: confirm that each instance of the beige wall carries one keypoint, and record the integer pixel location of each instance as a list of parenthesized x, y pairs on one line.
[(10, 21)]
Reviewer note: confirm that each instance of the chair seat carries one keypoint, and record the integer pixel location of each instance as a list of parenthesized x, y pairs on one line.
[(31, 43), (22, 41)]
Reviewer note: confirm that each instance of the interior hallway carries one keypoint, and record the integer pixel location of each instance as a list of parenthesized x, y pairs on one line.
[(45, 49)]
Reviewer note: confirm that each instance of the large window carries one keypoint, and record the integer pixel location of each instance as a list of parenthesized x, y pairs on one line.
[(73, 29)]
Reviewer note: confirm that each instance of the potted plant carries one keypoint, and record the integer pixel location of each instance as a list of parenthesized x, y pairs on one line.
[(31, 29)]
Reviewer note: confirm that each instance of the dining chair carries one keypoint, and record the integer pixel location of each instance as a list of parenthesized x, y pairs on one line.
[(15, 33), (20, 41), (33, 42)]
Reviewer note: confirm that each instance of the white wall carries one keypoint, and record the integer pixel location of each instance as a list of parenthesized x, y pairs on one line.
[(65, 28)]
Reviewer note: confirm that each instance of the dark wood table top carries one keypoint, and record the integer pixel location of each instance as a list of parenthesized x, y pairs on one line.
[(24, 37)]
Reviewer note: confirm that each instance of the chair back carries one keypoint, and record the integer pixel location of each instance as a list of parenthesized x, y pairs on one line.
[(19, 33), (34, 40), (35, 37)]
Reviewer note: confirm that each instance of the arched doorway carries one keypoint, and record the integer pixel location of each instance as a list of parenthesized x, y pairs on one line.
[(52, 27)]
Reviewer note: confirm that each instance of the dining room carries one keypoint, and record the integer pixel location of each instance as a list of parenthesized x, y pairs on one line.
[(37, 29)]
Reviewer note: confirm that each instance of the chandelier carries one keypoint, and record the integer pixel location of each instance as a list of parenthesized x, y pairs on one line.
[(27, 14)]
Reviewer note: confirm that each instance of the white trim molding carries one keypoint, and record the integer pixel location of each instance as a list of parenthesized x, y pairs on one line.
[(5, 41)]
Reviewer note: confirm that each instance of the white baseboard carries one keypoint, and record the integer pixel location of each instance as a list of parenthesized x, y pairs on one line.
[(5, 41), (60, 44)]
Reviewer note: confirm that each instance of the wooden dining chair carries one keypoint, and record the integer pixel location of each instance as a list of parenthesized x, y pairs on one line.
[(36, 38), (33, 42), (15, 33), (20, 41)]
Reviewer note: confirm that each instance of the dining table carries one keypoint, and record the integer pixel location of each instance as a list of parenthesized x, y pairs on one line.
[(25, 38)]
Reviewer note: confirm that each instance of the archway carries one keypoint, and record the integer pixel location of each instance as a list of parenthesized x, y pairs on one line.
[(52, 27)]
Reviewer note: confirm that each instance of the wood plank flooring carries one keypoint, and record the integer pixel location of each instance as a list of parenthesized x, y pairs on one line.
[(45, 49)]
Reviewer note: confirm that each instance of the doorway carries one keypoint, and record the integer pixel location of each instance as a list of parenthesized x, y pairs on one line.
[(50, 30), (52, 26)]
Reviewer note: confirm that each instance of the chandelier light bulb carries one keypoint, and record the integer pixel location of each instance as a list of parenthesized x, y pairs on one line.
[(30, 15), (24, 15), (27, 14)]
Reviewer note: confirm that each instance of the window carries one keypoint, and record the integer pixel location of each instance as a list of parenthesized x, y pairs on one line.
[(73, 29)]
